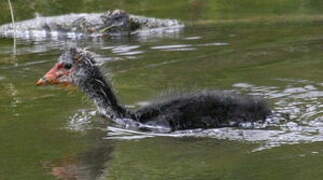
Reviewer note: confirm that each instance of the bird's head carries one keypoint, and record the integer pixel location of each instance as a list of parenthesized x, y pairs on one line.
[(74, 66)]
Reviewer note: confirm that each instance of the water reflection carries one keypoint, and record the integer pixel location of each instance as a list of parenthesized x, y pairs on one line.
[(87, 165), (187, 47), (10, 90), (103, 51)]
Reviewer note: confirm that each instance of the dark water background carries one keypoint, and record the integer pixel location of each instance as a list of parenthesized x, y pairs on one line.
[(269, 48)]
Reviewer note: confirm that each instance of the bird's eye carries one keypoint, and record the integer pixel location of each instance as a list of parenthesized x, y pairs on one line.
[(68, 66)]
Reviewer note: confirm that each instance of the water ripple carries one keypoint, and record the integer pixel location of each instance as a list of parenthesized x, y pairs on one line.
[(215, 44), (193, 38), (167, 47), (303, 122), (187, 47)]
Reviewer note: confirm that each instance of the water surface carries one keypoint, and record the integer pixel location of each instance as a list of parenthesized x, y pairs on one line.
[(272, 49)]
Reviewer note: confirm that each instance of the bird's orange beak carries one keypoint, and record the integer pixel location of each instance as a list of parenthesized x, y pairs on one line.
[(51, 77)]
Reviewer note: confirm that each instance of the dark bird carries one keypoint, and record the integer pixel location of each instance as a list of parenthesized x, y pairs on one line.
[(203, 109)]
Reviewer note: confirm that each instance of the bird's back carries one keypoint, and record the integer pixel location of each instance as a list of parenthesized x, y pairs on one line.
[(205, 109)]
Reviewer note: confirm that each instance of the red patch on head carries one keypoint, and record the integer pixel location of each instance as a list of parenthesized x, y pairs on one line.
[(53, 75)]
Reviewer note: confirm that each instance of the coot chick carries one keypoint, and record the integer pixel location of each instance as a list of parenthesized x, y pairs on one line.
[(203, 109)]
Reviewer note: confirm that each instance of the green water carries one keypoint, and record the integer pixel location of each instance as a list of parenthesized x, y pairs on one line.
[(274, 44)]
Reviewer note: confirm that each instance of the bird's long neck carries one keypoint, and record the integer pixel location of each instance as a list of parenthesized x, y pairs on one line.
[(103, 96)]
